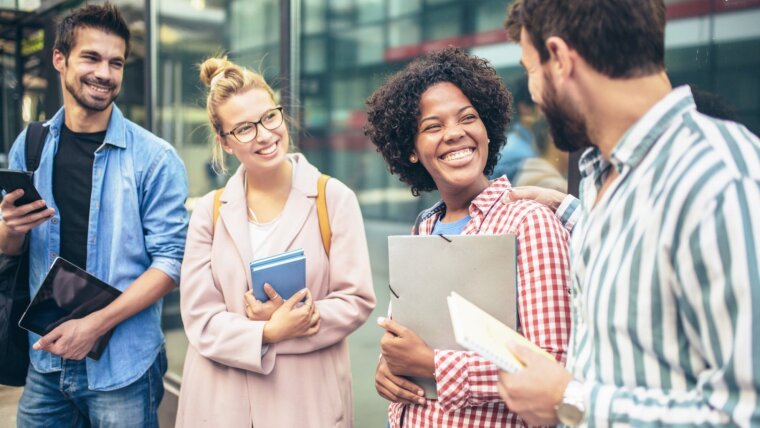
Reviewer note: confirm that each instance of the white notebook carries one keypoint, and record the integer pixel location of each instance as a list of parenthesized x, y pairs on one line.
[(478, 331)]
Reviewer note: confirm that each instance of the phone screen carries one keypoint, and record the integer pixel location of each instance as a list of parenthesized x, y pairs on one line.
[(11, 180)]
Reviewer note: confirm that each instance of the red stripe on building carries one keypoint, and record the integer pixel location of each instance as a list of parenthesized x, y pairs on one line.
[(685, 9), (692, 8)]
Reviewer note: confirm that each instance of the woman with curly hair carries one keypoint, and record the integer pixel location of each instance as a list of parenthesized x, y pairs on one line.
[(439, 124), (279, 363)]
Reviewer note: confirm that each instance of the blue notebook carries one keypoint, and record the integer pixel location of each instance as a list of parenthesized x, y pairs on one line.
[(286, 272)]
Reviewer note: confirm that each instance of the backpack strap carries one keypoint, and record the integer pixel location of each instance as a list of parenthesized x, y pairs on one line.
[(35, 141), (322, 214), (217, 205)]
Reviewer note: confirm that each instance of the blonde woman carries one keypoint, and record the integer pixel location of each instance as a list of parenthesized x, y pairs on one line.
[(282, 363)]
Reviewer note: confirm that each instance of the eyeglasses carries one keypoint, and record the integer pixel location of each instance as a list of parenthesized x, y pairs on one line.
[(246, 132)]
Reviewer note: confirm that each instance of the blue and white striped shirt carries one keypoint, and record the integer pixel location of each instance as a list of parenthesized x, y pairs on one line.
[(666, 273)]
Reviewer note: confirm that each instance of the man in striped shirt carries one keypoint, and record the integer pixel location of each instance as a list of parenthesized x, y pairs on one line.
[(665, 262)]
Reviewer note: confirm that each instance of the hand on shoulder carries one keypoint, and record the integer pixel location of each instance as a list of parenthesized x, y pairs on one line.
[(549, 197)]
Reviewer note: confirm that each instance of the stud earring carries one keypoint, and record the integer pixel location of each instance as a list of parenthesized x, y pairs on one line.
[(413, 158)]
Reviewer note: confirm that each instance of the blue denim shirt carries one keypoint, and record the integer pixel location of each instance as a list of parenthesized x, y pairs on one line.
[(137, 221)]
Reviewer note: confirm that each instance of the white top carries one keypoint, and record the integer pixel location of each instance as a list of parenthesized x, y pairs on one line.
[(259, 234), (260, 246)]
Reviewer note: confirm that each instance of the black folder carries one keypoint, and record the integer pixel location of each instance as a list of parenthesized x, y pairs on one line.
[(67, 293)]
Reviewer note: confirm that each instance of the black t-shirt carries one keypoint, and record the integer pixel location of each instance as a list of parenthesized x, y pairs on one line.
[(72, 187)]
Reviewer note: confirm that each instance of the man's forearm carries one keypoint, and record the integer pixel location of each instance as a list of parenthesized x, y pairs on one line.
[(146, 290)]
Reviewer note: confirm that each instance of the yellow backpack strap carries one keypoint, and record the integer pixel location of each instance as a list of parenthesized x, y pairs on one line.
[(322, 215), (217, 205)]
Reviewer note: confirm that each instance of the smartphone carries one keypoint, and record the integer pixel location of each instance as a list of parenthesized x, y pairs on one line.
[(11, 180)]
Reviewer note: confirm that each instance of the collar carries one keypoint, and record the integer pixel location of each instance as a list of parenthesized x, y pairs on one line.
[(490, 196), (639, 138), (115, 133), (482, 203), (591, 161), (305, 177)]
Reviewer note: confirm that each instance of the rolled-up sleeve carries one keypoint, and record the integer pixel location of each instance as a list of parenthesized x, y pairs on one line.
[(164, 214)]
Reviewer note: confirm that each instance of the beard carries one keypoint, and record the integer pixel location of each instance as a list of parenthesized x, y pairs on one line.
[(567, 127), (90, 103)]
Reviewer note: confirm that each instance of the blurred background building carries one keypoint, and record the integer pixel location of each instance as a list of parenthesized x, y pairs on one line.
[(324, 57)]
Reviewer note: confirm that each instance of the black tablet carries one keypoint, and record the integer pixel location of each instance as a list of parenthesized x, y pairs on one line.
[(67, 293), (11, 179)]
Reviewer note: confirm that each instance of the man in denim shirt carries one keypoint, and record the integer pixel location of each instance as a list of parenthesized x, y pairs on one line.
[(115, 195)]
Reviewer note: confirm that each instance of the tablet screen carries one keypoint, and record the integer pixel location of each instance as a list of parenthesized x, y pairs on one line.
[(66, 293)]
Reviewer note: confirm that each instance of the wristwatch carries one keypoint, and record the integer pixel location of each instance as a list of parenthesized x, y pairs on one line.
[(572, 408)]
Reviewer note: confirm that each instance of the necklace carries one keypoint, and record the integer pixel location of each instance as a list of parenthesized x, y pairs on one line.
[(251, 214)]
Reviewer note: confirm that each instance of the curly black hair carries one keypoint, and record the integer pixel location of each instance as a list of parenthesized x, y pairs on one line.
[(394, 108)]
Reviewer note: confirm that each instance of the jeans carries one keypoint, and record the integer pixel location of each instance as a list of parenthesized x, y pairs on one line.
[(62, 399)]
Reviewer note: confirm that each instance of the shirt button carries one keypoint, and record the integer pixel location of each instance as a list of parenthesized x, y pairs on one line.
[(52, 254), (54, 221)]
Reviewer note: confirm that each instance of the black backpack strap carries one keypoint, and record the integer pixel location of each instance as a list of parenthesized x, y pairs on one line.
[(35, 141)]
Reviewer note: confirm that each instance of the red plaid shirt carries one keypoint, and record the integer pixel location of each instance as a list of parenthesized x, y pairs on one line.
[(467, 383)]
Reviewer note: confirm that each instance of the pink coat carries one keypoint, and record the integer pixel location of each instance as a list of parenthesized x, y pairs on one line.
[(304, 382)]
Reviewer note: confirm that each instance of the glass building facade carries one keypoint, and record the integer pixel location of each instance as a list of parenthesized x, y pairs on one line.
[(324, 58)]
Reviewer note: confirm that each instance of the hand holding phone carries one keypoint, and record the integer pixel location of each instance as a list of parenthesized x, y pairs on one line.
[(22, 207), (12, 180)]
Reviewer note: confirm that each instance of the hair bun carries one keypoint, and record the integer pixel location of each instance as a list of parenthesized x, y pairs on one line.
[(211, 68)]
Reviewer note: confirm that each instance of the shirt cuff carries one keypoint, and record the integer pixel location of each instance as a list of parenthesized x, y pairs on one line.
[(169, 266), (568, 212), (450, 377), (598, 400)]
